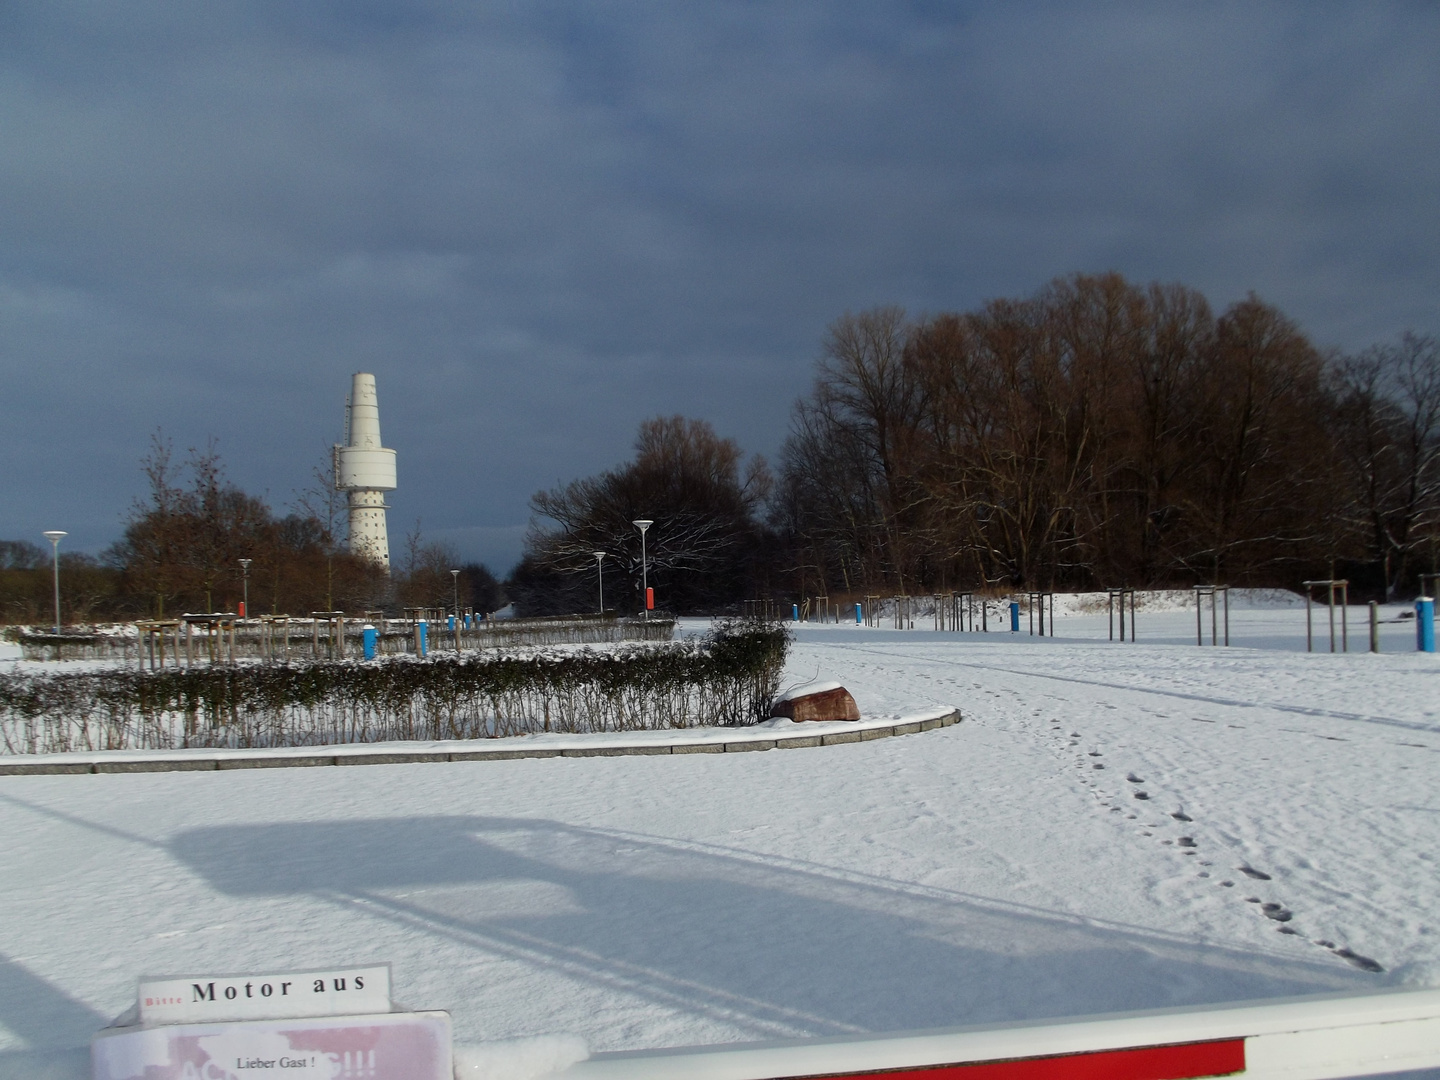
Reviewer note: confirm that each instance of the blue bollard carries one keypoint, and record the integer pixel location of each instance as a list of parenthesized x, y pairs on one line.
[(423, 628), (370, 636), (467, 622), (1014, 616), (450, 623), (1424, 624), (794, 612), (859, 618)]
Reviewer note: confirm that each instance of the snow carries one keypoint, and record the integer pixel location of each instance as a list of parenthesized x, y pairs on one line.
[(767, 731), (519, 1059), (985, 872), (799, 690)]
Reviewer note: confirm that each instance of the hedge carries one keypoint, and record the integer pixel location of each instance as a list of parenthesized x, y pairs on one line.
[(727, 678)]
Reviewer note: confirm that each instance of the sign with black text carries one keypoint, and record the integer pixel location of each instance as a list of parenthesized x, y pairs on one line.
[(219, 998)]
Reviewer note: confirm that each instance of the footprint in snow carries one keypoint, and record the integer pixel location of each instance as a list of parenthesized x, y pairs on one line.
[(1251, 872), (1133, 778), (1097, 765), (1364, 963), (1141, 795), (1186, 841), (1278, 912), (1180, 815)]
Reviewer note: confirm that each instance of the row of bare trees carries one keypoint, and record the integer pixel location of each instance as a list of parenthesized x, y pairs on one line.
[(1102, 433), (185, 537), (184, 540), (25, 584), (1098, 433)]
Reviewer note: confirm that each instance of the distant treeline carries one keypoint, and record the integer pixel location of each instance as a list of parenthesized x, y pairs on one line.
[(1099, 433), (182, 546)]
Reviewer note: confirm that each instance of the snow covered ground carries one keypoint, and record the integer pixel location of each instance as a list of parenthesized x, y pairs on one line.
[(1003, 868)]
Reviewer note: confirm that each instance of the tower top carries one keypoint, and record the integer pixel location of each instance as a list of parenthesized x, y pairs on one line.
[(363, 419)]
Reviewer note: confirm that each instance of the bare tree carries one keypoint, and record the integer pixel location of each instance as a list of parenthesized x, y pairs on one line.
[(1387, 420), (698, 490)]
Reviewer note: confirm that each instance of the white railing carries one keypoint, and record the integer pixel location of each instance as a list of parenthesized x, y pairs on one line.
[(1294, 1039)]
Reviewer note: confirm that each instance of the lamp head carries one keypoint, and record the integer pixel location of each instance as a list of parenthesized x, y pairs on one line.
[(245, 564), (54, 535), (599, 555), (642, 524)]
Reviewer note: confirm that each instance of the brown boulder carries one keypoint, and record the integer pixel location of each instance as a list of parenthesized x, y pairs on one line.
[(836, 704)]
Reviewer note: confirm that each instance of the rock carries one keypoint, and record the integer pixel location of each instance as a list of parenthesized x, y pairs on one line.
[(831, 704)]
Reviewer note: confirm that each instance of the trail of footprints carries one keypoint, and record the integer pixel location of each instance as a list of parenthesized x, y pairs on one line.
[(1188, 845)]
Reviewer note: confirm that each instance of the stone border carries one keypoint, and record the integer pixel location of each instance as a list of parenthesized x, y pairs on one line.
[(358, 754)]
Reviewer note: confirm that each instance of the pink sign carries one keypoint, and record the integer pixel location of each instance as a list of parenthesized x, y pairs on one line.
[(383, 1046)]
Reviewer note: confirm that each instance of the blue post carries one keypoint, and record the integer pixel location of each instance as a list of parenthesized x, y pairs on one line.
[(467, 622), (794, 612), (859, 618), (1014, 616), (370, 636), (1425, 624), (423, 628), (450, 623)]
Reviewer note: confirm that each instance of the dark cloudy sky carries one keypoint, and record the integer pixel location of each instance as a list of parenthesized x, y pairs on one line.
[(539, 224)]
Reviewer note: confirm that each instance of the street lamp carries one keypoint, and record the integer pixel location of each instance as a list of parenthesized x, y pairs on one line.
[(54, 536), (600, 566), (245, 603), (642, 525), (455, 580)]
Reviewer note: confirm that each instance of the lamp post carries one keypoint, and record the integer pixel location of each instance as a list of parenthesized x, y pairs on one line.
[(642, 525), (455, 621), (54, 536), (600, 566), (245, 595)]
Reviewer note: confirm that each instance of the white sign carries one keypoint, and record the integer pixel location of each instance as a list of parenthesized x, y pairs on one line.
[(211, 998), (387, 1046)]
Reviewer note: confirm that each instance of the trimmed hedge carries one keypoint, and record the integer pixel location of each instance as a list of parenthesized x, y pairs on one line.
[(728, 678)]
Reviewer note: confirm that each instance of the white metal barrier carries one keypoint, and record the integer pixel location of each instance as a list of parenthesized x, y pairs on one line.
[(1292, 1039)]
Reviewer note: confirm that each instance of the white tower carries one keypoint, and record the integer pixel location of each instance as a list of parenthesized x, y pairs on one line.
[(366, 470)]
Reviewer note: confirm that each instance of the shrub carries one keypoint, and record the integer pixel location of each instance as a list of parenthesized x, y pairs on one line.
[(727, 678)]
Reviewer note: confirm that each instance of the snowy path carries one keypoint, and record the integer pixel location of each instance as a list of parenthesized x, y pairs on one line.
[(984, 872)]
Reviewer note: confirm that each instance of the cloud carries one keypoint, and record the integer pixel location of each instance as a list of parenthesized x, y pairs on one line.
[(539, 224)]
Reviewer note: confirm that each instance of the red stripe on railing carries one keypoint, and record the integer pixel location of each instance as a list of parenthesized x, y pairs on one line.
[(1185, 1062)]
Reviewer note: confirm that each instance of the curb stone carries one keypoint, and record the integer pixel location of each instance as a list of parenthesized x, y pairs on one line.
[(16, 765)]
